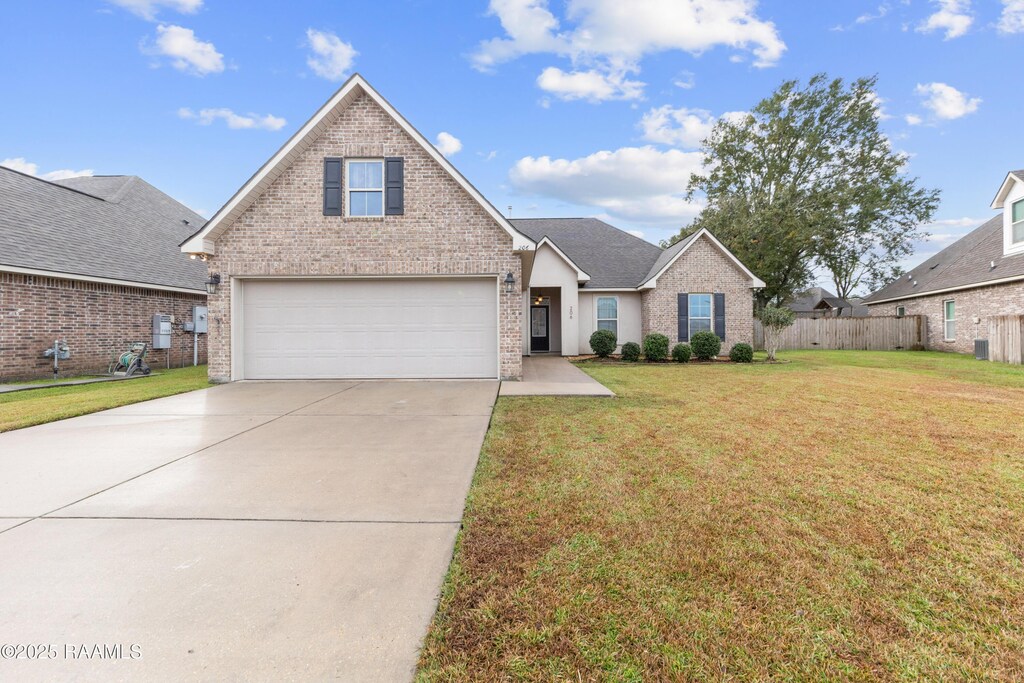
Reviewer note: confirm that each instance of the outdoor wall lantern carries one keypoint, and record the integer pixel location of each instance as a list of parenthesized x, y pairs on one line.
[(211, 284), (510, 283)]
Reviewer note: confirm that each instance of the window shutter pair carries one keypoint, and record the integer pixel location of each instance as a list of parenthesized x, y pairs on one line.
[(683, 299), (394, 186)]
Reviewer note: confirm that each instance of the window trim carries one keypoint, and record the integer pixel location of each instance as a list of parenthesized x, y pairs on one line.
[(1013, 224), (946, 321), (901, 311), (689, 312), (347, 199), (597, 315)]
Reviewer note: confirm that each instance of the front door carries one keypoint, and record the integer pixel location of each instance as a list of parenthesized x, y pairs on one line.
[(540, 337)]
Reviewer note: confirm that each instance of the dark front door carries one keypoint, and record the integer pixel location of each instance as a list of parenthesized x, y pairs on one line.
[(540, 334)]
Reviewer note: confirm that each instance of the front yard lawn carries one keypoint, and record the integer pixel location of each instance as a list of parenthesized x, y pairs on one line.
[(844, 516), (36, 406)]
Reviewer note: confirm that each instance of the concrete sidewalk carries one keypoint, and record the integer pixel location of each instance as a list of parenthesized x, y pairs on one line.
[(553, 376)]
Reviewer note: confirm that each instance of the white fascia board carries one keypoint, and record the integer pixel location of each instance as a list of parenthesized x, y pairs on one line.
[(581, 276), (202, 241), (755, 282), (1004, 190), (104, 280), (959, 288)]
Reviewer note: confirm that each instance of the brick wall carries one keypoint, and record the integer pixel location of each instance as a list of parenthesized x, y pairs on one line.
[(979, 303), (443, 232), (702, 269), (93, 318)]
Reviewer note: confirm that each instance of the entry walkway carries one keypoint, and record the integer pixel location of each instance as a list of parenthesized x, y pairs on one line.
[(553, 376)]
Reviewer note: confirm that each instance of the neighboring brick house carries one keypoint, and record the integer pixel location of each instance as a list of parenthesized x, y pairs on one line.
[(979, 276), (358, 250), (89, 261)]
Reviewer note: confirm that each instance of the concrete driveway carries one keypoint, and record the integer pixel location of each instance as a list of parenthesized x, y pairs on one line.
[(252, 531)]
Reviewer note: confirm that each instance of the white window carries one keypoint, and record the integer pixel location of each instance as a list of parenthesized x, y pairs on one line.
[(1017, 220), (699, 310), (901, 311), (364, 187), (608, 313), (949, 319)]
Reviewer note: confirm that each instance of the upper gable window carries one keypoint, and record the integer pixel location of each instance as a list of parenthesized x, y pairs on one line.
[(1017, 222), (364, 190)]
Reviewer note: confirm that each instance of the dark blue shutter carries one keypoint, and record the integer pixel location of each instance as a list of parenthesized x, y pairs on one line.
[(684, 317), (332, 186), (394, 186), (720, 315)]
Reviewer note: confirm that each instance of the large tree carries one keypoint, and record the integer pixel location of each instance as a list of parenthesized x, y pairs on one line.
[(808, 179)]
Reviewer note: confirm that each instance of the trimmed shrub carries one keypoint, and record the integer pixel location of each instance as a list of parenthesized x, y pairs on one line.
[(741, 353), (775, 320), (631, 352), (603, 343), (681, 353), (706, 345), (655, 347)]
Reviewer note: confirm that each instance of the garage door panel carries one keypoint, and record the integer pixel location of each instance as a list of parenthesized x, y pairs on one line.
[(313, 329)]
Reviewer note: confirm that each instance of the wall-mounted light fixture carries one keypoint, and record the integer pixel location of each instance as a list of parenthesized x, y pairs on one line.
[(510, 283), (211, 284)]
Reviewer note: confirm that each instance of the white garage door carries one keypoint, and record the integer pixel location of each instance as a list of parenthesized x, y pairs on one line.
[(323, 329)]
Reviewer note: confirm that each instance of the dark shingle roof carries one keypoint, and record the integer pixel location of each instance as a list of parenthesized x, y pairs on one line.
[(611, 257), (117, 227), (965, 263), (667, 255)]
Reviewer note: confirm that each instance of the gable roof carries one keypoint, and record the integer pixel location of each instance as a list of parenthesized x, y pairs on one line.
[(110, 228), (202, 242), (966, 263), (672, 254), (612, 258), (1004, 189)]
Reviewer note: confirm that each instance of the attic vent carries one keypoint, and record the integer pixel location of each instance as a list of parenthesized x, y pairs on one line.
[(934, 266), (992, 264), (915, 283)]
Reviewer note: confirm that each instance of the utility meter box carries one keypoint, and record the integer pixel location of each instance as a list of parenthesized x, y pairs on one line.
[(200, 319), (161, 331)]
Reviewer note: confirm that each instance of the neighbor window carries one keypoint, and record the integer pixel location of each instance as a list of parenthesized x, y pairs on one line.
[(365, 187), (700, 313), (949, 319), (1017, 218), (901, 311), (608, 314)]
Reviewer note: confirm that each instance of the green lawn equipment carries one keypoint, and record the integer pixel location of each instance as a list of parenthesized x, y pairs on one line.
[(131, 362)]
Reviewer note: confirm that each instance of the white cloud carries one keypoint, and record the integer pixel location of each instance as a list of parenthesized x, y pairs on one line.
[(945, 101), (148, 9), (187, 53), (611, 37), (682, 127), (205, 117), (630, 183), (1012, 18), (332, 57), (913, 119), (636, 233), (953, 17), (447, 144), (685, 80), (27, 167), (592, 85)]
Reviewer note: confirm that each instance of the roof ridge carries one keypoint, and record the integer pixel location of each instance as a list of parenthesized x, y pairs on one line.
[(51, 183)]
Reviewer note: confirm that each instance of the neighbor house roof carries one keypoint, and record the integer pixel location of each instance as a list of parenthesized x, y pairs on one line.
[(817, 298), (976, 259), (109, 228)]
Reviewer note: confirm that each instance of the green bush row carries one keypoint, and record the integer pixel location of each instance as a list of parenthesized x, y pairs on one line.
[(703, 345)]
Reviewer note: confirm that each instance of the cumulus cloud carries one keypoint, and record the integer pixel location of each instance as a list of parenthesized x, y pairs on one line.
[(148, 9), (186, 52), (945, 101), (913, 119), (29, 168), (205, 117), (591, 85), (612, 37), (447, 144), (681, 127), (952, 16), (630, 183), (331, 57), (1012, 18)]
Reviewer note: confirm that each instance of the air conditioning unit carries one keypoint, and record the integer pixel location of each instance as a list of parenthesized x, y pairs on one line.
[(981, 349)]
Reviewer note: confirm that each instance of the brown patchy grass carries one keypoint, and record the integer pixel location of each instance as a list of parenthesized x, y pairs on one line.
[(853, 516)]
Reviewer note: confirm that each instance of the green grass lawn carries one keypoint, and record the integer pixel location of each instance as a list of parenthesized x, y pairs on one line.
[(844, 516), (26, 408)]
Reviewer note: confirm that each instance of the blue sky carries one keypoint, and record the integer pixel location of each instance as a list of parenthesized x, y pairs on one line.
[(585, 107)]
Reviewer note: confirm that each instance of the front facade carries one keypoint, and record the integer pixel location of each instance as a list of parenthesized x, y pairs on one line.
[(960, 289), (89, 261), (359, 251)]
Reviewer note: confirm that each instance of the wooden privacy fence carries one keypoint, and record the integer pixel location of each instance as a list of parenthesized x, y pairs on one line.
[(1006, 339), (858, 334)]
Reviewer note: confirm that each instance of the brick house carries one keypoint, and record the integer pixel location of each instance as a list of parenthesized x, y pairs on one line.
[(358, 250), (89, 261), (979, 276)]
